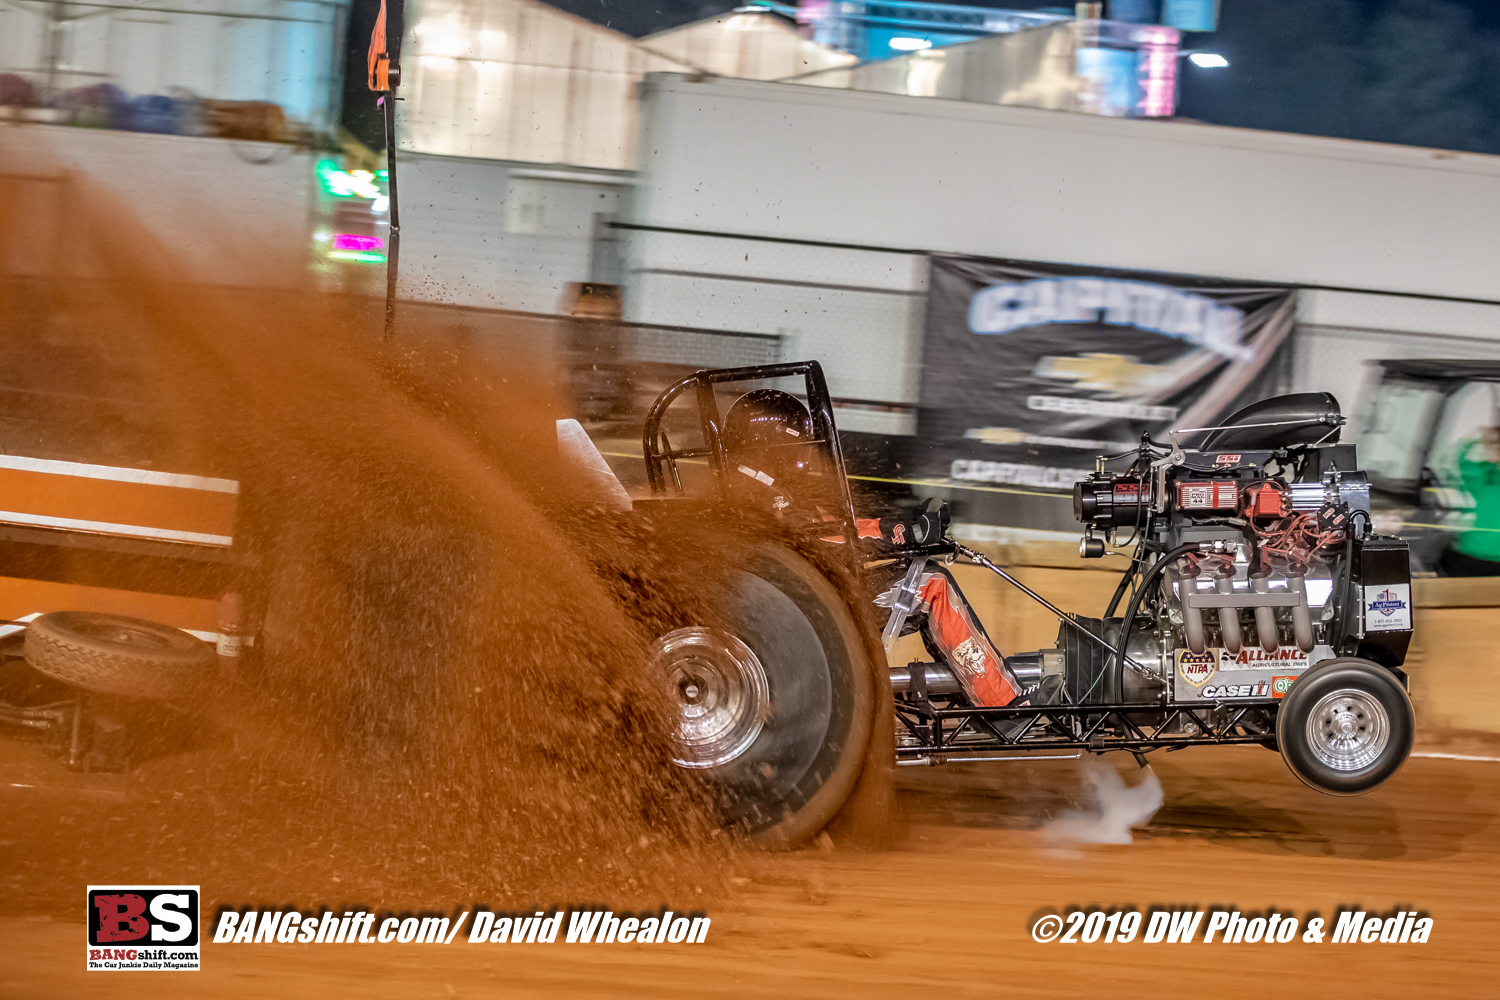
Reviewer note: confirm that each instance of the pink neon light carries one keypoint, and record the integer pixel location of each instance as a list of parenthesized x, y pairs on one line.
[(348, 241), (1160, 83)]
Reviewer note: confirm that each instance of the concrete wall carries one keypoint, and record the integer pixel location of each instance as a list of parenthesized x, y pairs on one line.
[(231, 213)]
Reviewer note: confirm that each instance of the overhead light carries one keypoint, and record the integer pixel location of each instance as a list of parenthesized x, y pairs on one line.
[(1208, 60), (906, 43)]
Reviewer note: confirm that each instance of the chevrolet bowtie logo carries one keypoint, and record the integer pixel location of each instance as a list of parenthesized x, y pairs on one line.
[(1115, 374)]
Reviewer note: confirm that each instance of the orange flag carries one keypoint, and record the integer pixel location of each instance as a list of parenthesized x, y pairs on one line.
[(379, 61)]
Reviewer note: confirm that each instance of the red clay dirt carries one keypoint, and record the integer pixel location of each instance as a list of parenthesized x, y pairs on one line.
[(947, 912)]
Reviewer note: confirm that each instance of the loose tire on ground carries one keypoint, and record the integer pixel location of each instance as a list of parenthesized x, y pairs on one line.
[(1346, 726), (113, 654), (781, 786)]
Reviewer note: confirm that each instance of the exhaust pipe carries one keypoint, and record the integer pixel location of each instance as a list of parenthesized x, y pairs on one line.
[(1302, 627), (1229, 618), (1265, 618), (1192, 618)]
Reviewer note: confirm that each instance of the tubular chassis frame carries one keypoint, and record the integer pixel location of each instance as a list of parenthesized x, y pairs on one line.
[(940, 727)]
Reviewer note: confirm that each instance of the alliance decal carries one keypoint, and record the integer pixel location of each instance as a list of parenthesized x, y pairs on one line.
[(1250, 657)]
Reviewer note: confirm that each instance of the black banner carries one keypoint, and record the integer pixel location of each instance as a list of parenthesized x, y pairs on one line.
[(1030, 371)]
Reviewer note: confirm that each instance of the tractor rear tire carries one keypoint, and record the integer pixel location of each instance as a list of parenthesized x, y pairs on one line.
[(780, 734)]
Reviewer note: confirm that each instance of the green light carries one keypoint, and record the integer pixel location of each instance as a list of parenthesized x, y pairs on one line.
[(348, 184), (363, 256)]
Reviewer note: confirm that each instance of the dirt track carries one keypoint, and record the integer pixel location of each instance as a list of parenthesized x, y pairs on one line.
[(948, 911)]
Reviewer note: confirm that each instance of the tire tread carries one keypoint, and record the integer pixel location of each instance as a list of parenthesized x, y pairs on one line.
[(94, 666)]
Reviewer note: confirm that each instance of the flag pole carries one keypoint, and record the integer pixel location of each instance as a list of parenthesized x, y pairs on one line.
[(384, 78), (393, 251)]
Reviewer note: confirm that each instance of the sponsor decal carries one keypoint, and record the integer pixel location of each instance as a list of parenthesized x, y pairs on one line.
[(1008, 435), (969, 657), (1226, 460), (1018, 474), (1196, 668), (1076, 407), (1281, 685), (1115, 375), (1174, 312), (1258, 689), (1388, 608), (898, 534), (1215, 495), (1253, 656), (142, 928)]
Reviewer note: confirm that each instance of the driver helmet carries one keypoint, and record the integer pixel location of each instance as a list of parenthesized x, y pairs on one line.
[(763, 419)]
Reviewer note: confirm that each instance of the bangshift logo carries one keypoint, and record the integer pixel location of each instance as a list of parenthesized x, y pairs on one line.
[(143, 928)]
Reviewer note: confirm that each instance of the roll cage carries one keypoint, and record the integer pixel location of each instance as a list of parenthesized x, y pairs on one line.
[(662, 456)]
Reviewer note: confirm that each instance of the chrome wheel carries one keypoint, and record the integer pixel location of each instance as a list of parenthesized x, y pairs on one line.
[(719, 688), (1348, 729)]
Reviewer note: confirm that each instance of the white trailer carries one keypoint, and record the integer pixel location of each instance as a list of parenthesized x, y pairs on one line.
[(1393, 245)]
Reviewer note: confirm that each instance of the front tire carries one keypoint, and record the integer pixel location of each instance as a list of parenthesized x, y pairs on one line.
[(775, 697), (1345, 727)]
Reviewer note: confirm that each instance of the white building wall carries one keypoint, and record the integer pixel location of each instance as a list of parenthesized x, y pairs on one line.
[(498, 235), (876, 170), (285, 51), (515, 80), (859, 311), (227, 213), (748, 45), (777, 159)]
